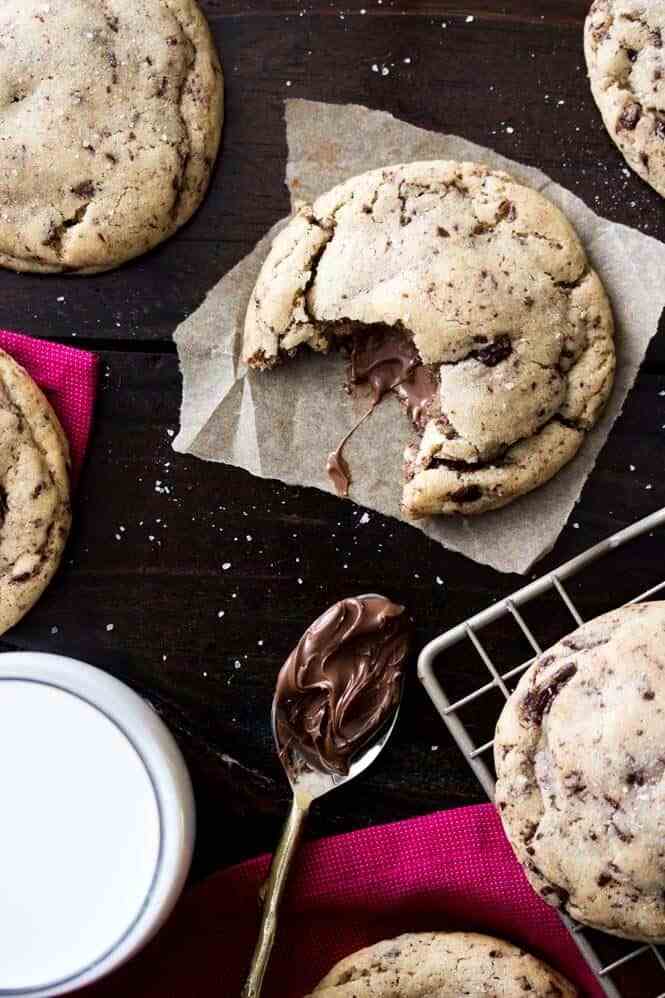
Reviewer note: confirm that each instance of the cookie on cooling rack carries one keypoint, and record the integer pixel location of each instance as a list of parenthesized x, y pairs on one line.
[(507, 351), (34, 492), (447, 964), (580, 760)]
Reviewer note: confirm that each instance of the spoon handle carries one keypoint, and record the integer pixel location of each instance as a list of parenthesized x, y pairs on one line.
[(272, 895)]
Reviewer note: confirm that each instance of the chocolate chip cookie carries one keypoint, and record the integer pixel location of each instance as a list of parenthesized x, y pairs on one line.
[(581, 773), (110, 120), (507, 332), (34, 492), (445, 964), (626, 59)]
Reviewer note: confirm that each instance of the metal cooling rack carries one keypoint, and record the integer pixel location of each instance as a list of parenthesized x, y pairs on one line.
[(468, 631)]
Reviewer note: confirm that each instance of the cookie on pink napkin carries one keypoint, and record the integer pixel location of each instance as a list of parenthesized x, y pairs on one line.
[(68, 378)]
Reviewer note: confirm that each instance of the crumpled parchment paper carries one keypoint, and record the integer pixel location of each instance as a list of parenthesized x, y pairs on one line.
[(282, 424)]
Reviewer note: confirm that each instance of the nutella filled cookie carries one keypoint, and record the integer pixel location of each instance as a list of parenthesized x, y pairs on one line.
[(34, 492), (110, 120), (445, 965), (581, 773), (470, 297), (624, 42)]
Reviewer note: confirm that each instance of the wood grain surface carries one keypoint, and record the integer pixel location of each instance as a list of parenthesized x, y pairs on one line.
[(154, 531)]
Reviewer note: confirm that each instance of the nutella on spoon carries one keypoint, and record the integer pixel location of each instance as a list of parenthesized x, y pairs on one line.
[(335, 707), (341, 683), (387, 362)]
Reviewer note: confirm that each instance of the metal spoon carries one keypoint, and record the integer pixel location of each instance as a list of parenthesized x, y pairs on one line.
[(307, 787)]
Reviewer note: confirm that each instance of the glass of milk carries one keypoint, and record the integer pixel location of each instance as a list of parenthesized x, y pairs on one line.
[(97, 824)]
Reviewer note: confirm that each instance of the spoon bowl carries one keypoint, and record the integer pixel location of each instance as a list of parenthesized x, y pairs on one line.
[(310, 784)]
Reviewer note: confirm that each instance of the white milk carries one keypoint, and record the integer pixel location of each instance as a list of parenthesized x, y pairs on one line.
[(79, 835)]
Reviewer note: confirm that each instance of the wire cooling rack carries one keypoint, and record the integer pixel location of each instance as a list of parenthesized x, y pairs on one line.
[(617, 965)]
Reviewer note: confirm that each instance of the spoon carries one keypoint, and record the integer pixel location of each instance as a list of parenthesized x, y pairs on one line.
[(307, 786)]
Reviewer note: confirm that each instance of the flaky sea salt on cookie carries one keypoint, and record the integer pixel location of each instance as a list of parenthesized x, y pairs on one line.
[(110, 120), (34, 492), (581, 773), (624, 42), (445, 964), (471, 297)]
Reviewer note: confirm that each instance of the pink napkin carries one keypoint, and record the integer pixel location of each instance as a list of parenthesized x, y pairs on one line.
[(68, 378), (451, 870)]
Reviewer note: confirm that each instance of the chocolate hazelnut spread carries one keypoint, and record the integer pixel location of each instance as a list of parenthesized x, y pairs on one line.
[(340, 683), (387, 361)]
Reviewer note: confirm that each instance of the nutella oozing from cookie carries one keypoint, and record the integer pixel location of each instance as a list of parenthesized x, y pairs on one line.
[(388, 362), (341, 683), (469, 296)]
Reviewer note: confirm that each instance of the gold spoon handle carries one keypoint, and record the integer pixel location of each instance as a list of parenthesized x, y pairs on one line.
[(272, 896)]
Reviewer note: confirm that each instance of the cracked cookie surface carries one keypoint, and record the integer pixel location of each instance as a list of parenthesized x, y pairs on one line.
[(34, 492), (581, 773), (489, 281), (445, 964), (110, 120), (625, 52)]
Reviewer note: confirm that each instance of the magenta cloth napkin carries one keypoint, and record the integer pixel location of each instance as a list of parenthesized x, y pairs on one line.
[(451, 870), (68, 378)]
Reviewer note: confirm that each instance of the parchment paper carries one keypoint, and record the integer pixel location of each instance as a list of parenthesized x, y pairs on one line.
[(282, 424)]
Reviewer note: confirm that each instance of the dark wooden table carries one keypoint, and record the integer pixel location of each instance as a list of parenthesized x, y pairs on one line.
[(508, 74)]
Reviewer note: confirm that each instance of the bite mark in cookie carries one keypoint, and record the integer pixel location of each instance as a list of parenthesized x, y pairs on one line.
[(386, 360), (502, 312)]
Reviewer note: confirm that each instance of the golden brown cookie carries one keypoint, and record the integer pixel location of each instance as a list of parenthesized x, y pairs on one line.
[(445, 964), (34, 492), (489, 284), (581, 773), (624, 43), (110, 120)]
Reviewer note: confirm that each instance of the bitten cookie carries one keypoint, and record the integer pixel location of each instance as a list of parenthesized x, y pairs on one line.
[(581, 773), (490, 285), (34, 492), (626, 60), (445, 964), (110, 120)]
